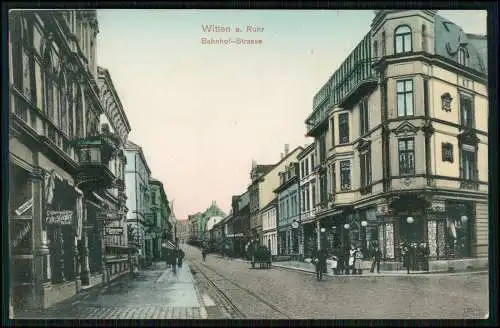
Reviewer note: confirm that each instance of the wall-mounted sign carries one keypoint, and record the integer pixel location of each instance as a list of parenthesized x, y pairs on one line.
[(21, 233), (60, 217), (114, 230), (24, 207), (104, 216), (295, 224)]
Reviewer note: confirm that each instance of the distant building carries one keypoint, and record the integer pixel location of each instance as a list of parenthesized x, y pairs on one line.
[(269, 232), (183, 231), (288, 199), (241, 223), (158, 226), (137, 185)]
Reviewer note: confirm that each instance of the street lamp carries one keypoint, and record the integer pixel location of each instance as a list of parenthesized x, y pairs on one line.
[(322, 230), (464, 219), (347, 226), (410, 220), (364, 223)]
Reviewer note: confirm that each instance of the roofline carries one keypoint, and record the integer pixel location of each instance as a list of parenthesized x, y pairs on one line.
[(141, 153), (283, 159), (306, 151), (109, 80)]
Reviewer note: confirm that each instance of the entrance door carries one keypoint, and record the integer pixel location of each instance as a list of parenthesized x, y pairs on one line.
[(412, 232)]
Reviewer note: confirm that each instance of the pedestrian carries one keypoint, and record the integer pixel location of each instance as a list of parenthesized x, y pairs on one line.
[(320, 263), (426, 253), (180, 257), (203, 253), (377, 255), (358, 257), (352, 259), (405, 251)]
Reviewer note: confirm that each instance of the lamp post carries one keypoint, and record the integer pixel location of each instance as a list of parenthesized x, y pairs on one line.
[(465, 235), (364, 224)]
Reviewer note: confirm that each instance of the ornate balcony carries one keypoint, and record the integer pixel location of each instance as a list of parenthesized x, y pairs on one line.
[(93, 155)]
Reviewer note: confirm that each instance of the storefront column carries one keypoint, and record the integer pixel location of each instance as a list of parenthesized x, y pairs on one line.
[(41, 260), (301, 241), (318, 235)]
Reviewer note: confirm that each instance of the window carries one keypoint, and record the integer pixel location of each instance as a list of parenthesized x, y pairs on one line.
[(426, 97), (424, 38), (447, 152), (467, 111), (344, 128), (468, 170), (333, 182), (332, 128), (307, 165), (48, 84), (446, 102), (345, 175), (313, 193), (302, 169), (375, 49), (323, 188), (406, 156), (312, 162), (462, 57), (363, 116), (383, 44), (404, 91), (365, 168), (402, 39), (322, 147)]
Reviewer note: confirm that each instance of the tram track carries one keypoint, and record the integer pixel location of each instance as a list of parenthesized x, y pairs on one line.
[(233, 310)]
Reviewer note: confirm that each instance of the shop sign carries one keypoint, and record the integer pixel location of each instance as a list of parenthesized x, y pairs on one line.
[(20, 235), (60, 217), (24, 207), (114, 231)]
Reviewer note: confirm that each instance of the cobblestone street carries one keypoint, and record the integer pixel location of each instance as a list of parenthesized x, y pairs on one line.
[(155, 293), (299, 296)]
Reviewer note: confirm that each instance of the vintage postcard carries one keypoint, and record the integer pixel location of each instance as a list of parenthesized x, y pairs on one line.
[(248, 164)]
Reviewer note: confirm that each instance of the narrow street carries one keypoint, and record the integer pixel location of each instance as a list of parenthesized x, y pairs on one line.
[(281, 294)]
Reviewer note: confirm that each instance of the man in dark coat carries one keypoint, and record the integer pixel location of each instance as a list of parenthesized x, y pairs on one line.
[(377, 255), (180, 257), (320, 263)]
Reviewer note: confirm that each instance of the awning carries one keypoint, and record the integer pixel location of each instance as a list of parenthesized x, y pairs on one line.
[(168, 245)]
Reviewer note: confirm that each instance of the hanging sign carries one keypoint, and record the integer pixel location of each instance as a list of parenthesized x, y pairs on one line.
[(24, 207), (60, 217), (114, 230), (295, 224)]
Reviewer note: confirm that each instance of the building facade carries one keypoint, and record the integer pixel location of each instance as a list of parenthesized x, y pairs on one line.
[(137, 175), (54, 106), (183, 231), (288, 197), (269, 231), (262, 188), (240, 205), (194, 228), (159, 226), (307, 191), (406, 135), (212, 211)]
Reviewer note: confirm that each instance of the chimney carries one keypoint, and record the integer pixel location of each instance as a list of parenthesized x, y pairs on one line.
[(281, 156), (254, 163), (287, 149)]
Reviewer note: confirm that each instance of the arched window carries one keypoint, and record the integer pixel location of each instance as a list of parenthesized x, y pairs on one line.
[(61, 81), (48, 83), (78, 113), (402, 39), (462, 57)]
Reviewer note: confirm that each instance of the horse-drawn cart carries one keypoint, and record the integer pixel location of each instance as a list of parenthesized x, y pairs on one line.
[(262, 256)]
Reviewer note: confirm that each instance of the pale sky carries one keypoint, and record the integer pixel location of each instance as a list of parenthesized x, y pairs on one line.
[(202, 112)]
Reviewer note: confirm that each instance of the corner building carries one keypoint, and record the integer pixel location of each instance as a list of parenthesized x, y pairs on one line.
[(401, 135)]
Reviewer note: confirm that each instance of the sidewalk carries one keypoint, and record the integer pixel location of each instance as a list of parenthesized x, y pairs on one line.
[(366, 265), (156, 292)]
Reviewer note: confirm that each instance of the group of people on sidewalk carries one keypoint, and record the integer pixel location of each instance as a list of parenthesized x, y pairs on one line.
[(415, 256), (174, 258), (346, 261)]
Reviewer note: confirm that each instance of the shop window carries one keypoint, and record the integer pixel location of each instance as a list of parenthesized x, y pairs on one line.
[(402, 39), (447, 152), (446, 102), (406, 156), (404, 91)]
